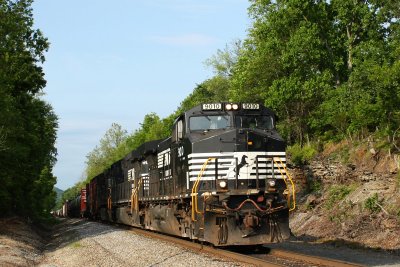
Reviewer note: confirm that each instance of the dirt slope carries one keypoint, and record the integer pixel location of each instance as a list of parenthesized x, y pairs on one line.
[(351, 196), (20, 245)]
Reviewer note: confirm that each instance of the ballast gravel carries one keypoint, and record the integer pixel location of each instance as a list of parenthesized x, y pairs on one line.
[(86, 243)]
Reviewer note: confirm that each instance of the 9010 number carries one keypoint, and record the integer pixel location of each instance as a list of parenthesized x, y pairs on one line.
[(212, 106), (250, 106)]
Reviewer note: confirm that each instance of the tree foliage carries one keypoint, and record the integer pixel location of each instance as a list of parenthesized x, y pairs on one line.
[(107, 152), (322, 65), (27, 124)]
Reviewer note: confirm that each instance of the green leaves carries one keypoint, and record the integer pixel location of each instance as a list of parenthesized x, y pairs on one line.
[(27, 124), (116, 144), (107, 152), (322, 65)]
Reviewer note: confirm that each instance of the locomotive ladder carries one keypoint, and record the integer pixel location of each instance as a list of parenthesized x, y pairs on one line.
[(282, 169), (195, 190), (195, 198), (135, 198)]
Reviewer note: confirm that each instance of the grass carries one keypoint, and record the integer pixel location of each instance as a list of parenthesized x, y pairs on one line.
[(337, 193), (372, 203), (315, 186), (341, 213), (76, 245)]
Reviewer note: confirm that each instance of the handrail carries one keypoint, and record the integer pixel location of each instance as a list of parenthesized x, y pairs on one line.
[(195, 188), (281, 167), (134, 197), (109, 201)]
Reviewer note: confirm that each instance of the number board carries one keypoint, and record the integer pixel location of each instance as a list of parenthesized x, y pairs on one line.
[(212, 106), (250, 106)]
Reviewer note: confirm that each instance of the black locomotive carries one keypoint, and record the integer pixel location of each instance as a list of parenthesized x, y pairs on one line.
[(220, 178)]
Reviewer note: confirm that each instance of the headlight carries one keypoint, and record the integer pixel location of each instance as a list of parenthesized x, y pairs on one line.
[(222, 184), (228, 106), (235, 106), (271, 183)]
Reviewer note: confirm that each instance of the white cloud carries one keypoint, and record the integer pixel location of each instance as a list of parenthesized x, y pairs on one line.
[(185, 40)]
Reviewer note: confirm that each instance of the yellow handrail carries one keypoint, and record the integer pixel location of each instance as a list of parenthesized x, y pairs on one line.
[(134, 197), (195, 187), (281, 167)]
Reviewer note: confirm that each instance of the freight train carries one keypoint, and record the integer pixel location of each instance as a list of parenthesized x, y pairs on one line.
[(220, 178)]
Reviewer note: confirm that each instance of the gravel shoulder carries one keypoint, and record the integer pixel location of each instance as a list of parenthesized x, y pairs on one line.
[(86, 243), (77, 242)]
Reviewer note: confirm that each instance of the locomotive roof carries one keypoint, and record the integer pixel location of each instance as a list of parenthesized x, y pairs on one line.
[(164, 144), (143, 150)]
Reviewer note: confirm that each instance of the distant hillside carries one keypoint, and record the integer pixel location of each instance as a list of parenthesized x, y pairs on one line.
[(59, 193)]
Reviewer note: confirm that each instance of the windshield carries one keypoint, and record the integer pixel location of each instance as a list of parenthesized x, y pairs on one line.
[(254, 121), (209, 122)]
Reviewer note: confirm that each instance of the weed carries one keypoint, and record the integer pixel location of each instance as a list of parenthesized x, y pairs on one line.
[(372, 203), (341, 213), (76, 245), (344, 155), (336, 193), (315, 186)]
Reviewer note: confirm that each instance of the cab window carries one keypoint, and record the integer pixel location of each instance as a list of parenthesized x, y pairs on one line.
[(210, 122), (178, 131), (254, 121)]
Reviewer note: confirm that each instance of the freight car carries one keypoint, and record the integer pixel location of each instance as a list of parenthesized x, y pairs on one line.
[(220, 178)]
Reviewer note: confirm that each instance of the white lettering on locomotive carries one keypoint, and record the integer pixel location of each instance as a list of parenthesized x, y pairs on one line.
[(131, 174), (180, 151)]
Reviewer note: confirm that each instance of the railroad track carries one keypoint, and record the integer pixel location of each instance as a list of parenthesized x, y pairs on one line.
[(297, 259), (264, 257)]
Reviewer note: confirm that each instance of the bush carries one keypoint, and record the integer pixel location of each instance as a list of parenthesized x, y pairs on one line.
[(372, 203), (301, 155)]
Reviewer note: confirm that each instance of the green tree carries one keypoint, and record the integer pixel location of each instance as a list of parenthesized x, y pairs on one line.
[(102, 156), (286, 61), (322, 65), (116, 144), (367, 96), (224, 61), (27, 124)]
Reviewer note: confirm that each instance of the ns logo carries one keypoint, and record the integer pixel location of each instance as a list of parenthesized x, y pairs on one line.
[(180, 152)]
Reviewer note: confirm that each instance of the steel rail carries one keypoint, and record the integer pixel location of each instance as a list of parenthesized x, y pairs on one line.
[(197, 247), (311, 259), (256, 260)]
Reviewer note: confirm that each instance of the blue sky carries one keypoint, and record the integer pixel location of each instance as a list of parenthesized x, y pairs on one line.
[(115, 61)]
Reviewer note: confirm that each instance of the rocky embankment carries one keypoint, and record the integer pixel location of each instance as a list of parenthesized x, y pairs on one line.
[(351, 198)]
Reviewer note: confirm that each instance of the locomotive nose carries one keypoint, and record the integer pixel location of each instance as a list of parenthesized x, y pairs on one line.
[(263, 141)]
